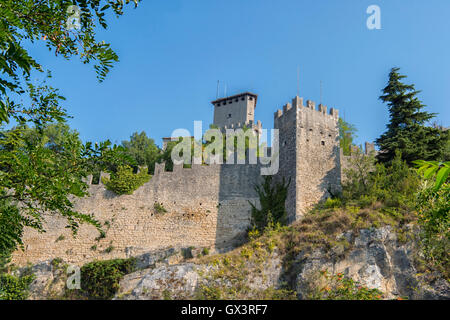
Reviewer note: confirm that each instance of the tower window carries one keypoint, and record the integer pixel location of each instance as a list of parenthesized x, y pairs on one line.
[(251, 98), (236, 100), (243, 98), (229, 115), (323, 143)]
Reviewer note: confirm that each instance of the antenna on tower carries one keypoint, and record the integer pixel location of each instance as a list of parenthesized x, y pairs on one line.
[(321, 91), (298, 81), (217, 92)]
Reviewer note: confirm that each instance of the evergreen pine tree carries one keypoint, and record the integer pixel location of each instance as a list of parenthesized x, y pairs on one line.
[(407, 130)]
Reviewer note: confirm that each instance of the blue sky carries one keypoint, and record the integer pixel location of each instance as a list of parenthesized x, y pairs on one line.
[(173, 52)]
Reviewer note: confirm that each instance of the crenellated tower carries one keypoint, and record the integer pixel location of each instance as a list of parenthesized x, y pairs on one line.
[(309, 154), (236, 111)]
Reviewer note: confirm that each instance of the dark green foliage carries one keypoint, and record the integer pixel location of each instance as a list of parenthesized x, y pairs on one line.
[(447, 148), (433, 208), (166, 155), (272, 198), (392, 186), (407, 130), (346, 136), (104, 156), (41, 170), (14, 288), (143, 150), (100, 279), (24, 22), (11, 230), (434, 218), (124, 181)]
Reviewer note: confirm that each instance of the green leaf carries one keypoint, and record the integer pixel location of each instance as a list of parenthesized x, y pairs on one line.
[(430, 171), (441, 177)]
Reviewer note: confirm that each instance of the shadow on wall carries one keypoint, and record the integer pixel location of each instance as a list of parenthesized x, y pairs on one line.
[(236, 189), (330, 184)]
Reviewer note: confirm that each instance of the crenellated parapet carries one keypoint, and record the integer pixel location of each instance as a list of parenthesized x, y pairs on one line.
[(309, 153), (205, 204), (297, 104)]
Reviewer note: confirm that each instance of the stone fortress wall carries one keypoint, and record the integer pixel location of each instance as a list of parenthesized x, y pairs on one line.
[(206, 206)]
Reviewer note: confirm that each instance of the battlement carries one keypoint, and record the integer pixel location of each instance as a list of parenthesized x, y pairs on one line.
[(179, 169), (204, 205), (297, 104)]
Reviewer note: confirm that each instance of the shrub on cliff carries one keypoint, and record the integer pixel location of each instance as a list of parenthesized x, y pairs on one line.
[(272, 199), (392, 186), (14, 288), (124, 181), (100, 279)]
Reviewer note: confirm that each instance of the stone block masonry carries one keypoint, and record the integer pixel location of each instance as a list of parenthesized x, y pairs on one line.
[(206, 206), (309, 154)]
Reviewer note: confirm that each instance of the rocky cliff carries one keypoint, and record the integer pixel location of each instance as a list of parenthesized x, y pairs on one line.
[(270, 267)]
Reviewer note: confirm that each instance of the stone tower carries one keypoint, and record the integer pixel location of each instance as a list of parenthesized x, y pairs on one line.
[(236, 111), (309, 154)]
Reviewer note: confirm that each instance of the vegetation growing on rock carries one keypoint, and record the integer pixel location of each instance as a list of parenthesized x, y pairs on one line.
[(100, 279), (124, 181)]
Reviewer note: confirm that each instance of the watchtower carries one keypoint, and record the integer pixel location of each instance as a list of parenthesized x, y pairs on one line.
[(309, 154), (236, 111)]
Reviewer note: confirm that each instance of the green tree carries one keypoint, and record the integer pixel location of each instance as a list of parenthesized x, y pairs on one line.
[(445, 131), (347, 134), (166, 154), (43, 169), (37, 178), (52, 135), (143, 150), (407, 130), (367, 182), (272, 199), (49, 22)]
